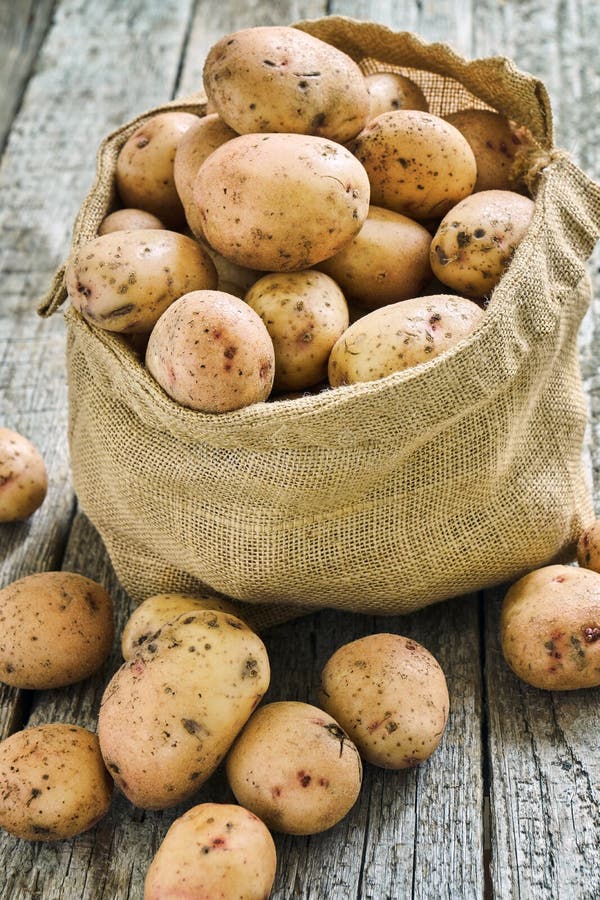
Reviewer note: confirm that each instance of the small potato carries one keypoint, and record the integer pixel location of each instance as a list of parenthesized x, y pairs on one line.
[(295, 768), (144, 170), (53, 782), (281, 202), (232, 279), (212, 851), (23, 477), (476, 241), (386, 262), (550, 628), (156, 611), (400, 336), (210, 351), (169, 715), (128, 220), (390, 695), (195, 146), (124, 281), (305, 313), (495, 141), (418, 164), (389, 91), (588, 547), (276, 78), (56, 628)]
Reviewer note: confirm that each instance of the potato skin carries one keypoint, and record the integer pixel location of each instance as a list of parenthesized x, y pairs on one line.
[(389, 91), (495, 141), (295, 768), (390, 695), (400, 336), (159, 610), (124, 281), (281, 202), (56, 628), (418, 164), (23, 477), (128, 220), (550, 628), (276, 78), (588, 547), (235, 856), (386, 262), (144, 171), (53, 782), (305, 313), (476, 241), (169, 715), (210, 351)]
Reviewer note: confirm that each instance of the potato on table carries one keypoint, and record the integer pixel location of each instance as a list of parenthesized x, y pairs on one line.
[(23, 477)]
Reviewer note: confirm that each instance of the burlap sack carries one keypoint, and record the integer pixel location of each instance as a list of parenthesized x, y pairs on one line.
[(381, 497)]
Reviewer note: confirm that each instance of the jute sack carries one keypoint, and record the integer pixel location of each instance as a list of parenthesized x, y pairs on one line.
[(382, 497)]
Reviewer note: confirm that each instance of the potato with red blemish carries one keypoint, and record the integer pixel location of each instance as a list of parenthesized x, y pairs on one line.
[(170, 713), (125, 280), (305, 313), (476, 241), (128, 220), (550, 628), (144, 170), (214, 850), (295, 768), (588, 547), (23, 477), (389, 91), (495, 142), (210, 351), (418, 164), (390, 695)]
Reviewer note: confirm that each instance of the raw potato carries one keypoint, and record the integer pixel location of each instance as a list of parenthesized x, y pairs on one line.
[(280, 79), (389, 91), (214, 850), (295, 768), (23, 477), (400, 336), (56, 628), (588, 547), (232, 279), (495, 141), (281, 202), (144, 171), (386, 262), (210, 351), (418, 164), (128, 220), (124, 281), (475, 243), (53, 782), (550, 628), (199, 141), (169, 715), (305, 313), (159, 610), (390, 694)]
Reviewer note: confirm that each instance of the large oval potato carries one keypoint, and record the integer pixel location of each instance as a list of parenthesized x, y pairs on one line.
[(281, 202), (214, 850), (494, 140), (23, 477), (169, 715), (418, 164), (305, 313), (389, 91), (53, 782), (400, 336), (550, 628), (276, 78), (477, 239), (386, 262), (390, 694), (125, 280), (56, 628)]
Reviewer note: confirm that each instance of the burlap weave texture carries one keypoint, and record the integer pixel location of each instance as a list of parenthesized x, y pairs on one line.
[(382, 497)]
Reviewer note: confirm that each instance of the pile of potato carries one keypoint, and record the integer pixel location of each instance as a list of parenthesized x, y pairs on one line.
[(304, 201)]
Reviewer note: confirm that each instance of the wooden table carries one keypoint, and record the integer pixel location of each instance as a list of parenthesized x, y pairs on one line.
[(509, 805)]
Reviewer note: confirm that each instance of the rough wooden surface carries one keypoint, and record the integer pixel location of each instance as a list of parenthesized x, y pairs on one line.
[(415, 834)]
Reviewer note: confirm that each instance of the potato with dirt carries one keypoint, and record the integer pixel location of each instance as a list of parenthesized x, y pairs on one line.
[(277, 78), (495, 142), (588, 547), (23, 477), (124, 281), (389, 91)]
